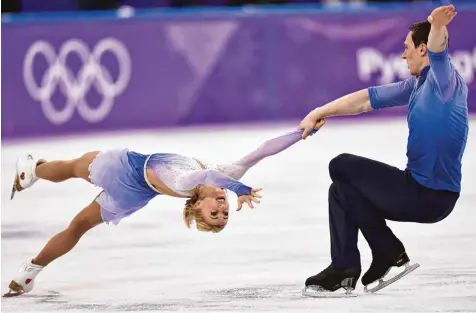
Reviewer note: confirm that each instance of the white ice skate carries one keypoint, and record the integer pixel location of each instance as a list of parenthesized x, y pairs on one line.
[(25, 175), (24, 280)]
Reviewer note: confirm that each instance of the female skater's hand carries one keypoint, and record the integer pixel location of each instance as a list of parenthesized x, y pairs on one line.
[(249, 198)]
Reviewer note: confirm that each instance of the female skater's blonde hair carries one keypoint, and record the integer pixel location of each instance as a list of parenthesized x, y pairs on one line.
[(191, 214)]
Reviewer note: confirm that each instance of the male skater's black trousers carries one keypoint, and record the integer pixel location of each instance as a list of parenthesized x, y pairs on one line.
[(363, 194)]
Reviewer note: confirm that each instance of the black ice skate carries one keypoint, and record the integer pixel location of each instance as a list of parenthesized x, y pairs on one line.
[(332, 279), (381, 266)]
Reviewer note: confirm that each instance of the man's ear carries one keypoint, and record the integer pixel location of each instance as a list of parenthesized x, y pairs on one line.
[(423, 49)]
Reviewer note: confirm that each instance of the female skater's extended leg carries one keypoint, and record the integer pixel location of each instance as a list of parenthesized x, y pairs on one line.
[(58, 171), (29, 170), (64, 241)]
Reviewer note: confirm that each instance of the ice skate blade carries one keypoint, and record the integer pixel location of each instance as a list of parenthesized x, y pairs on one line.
[(15, 188), (318, 292), (11, 294), (384, 283)]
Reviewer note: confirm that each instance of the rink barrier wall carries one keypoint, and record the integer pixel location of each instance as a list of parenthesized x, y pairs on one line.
[(65, 73)]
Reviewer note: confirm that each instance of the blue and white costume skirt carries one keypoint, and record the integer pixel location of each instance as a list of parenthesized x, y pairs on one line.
[(120, 173)]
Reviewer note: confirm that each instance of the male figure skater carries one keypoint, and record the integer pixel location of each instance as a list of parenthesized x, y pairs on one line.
[(364, 193)]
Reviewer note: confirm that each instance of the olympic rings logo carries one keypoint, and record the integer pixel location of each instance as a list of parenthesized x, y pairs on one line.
[(75, 88)]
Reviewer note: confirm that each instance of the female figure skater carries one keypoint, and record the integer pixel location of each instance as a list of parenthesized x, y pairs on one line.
[(129, 181)]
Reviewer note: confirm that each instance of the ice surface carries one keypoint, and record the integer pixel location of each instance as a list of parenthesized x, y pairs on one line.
[(151, 262)]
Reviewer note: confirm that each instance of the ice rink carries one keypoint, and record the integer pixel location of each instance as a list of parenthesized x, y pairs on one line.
[(151, 262)]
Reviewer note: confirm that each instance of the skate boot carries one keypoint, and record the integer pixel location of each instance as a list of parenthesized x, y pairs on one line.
[(381, 266), (331, 279), (25, 175), (24, 280)]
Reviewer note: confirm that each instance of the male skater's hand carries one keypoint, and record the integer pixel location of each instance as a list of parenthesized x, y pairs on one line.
[(313, 121), (249, 198), (442, 16)]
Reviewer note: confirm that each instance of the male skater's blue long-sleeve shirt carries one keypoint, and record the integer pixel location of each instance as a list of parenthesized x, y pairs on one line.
[(437, 121)]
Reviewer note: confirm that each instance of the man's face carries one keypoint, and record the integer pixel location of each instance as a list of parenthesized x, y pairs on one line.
[(415, 56)]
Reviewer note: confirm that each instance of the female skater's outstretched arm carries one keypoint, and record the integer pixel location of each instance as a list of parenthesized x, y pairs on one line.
[(268, 148), (227, 176)]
